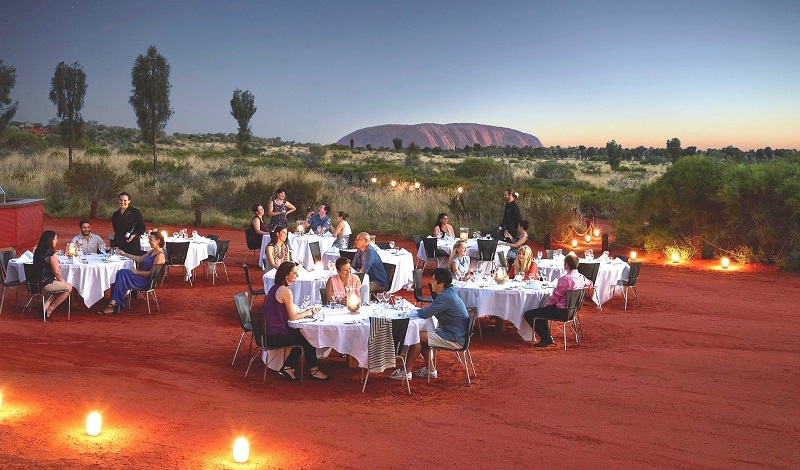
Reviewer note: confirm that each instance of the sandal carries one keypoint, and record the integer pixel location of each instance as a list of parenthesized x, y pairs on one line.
[(313, 375), (112, 308), (288, 373)]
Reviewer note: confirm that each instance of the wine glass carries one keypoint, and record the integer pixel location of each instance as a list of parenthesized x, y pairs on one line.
[(538, 256), (331, 265), (306, 302), (519, 277), (391, 244)]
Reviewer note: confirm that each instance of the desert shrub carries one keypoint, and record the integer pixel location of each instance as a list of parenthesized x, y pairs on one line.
[(685, 251), (554, 171), (142, 167), (477, 167), (55, 194), (139, 151), (212, 153), (743, 254), (92, 182), (252, 192), (26, 141), (550, 213), (97, 152)]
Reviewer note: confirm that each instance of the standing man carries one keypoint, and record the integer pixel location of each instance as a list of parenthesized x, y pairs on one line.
[(368, 261), (453, 319), (128, 225), (319, 223), (89, 242), (511, 216)]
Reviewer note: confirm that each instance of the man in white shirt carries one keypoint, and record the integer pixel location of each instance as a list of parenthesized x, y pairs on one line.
[(89, 242)]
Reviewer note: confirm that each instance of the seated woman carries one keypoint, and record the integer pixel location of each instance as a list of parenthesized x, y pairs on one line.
[(257, 223), (337, 283), (518, 241), (342, 231), (278, 310), (278, 251), (128, 279), (442, 228), (459, 261), (524, 264), (46, 263)]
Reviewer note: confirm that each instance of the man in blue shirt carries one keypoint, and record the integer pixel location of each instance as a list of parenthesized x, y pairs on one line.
[(453, 318), (319, 223), (368, 261)]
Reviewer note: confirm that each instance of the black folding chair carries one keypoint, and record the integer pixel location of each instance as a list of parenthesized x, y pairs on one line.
[(176, 256), (473, 318), (253, 292)]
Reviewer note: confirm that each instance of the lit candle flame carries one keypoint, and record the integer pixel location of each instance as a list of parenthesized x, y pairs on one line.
[(675, 257), (93, 424), (725, 262), (633, 255), (574, 243), (596, 232), (241, 450)]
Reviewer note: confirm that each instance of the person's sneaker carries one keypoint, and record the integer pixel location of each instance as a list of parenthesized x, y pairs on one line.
[(424, 373), (398, 375)]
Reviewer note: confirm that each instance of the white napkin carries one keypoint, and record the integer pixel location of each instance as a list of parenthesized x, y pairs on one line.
[(470, 284), (536, 285), (26, 257), (112, 258), (402, 251)]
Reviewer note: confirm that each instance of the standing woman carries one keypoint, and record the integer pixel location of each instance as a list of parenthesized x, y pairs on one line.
[(459, 261), (342, 232), (443, 228), (128, 225), (128, 279), (46, 263), (278, 310), (279, 208), (278, 250)]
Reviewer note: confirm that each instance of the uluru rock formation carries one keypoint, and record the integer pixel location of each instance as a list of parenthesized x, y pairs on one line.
[(446, 136)]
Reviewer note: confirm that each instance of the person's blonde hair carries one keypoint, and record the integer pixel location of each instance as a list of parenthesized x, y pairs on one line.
[(454, 253), (524, 260)]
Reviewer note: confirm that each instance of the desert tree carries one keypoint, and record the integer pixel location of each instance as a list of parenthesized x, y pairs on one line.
[(614, 154), (398, 143), (243, 106), (67, 90), (150, 96), (352, 144), (8, 78), (674, 149)]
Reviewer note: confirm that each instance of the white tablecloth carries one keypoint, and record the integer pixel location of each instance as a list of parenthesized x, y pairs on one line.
[(340, 333), (309, 283), (508, 301), (199, 250), (403, 274), (472, 250), (89, 280), (607, 276), (298, 245)]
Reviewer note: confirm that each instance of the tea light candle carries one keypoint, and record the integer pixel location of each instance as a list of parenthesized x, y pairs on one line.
[(725, 262), (633, 255), (574, 243), (596, 233)]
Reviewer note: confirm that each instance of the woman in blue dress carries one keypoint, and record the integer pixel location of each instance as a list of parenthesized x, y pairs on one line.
[(279, 208), (128, 279)]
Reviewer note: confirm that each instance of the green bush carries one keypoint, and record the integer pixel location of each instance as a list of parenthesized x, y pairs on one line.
[(478, 167), (97, 152), (554, 171)]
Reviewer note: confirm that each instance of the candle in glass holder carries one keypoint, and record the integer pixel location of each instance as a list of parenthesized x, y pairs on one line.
[(596, 233), (633, 255), (463, 233), (353, 299), (574, 243), (588, 238), (675, 257), (725, 262)]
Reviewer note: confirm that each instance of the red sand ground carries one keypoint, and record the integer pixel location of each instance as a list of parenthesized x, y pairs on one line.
[(704, 374)]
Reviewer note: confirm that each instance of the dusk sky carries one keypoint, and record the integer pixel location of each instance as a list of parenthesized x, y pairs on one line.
[(712, 73)]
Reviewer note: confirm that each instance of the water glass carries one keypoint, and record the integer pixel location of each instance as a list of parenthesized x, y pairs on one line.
[(391, 244), (331, 304), (306, 302)]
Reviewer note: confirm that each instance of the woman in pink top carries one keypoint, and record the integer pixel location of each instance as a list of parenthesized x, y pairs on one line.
[(556, 306), (344, 278)]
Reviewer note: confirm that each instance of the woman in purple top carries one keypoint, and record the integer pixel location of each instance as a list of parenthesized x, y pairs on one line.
[(128, 279), (278, 310)]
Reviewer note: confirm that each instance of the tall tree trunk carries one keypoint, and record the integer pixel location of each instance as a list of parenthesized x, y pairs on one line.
[(198, 216), (155, 153), (93, 209), (69, 168)]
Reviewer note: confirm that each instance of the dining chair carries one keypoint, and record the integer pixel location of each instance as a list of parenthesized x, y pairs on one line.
[(35, 288), (386, 344), (418, 295), (433, 292), (390, 270), (323, 295), (316, 253), (217, 259), (418, 240), (176, 256), (211, 236), (254, 247), (382, 245), (589, 271), (432, 252), (253, 293), (622, 257), (473, 318), (243, 309), (157, 273), (487, 250), (501, 258), (549, 254), (630, 283), (574, 302), (259, 334), (5, 258), (349, 254), (351, 241)]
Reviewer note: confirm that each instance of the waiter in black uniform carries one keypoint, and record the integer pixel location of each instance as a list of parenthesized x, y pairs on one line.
[(511, 216), (128, 225)]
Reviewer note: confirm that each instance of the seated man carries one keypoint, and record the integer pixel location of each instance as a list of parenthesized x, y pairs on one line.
[(320, 222), (453, 324), (556, 306), (368, 261), (89, 242)]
